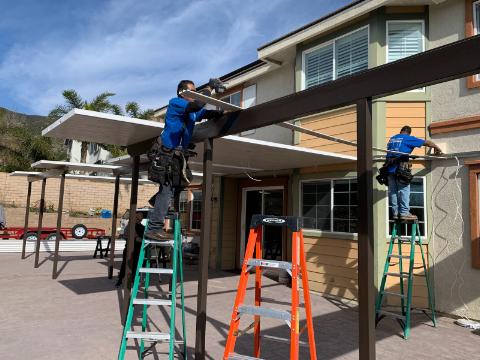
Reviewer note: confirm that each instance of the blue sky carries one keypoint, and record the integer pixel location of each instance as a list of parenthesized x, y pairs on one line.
[(136, 49)]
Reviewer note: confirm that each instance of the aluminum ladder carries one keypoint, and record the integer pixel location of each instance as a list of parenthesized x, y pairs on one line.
[(297, 268), (404, 318), (144, 269)]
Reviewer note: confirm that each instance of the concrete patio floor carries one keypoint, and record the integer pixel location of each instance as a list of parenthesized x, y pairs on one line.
[(77, 316)]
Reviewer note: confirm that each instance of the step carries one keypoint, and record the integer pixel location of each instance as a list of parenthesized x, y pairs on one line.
[(266, 312), (157, 302), (400, 275), (156, 271), (241, 357), (149, 336), (159, 243), (392, 314), (400, 256), (273, 264), (394, 294)]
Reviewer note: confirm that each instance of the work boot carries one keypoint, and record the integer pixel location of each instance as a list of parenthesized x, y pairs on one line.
[(159, 235), (408, 217)]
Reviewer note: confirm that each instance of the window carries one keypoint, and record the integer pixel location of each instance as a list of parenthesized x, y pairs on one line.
[(330, 205), (417, 207), (474, 182), (341, 57), (183, 202), (196, 210), (404, 38), (234, 99), (249, 97)]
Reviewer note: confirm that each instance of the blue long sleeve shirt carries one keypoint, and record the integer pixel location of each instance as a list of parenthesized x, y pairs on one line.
[(179, 123)]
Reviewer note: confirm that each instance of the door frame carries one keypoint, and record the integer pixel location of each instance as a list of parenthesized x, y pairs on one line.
[(278, 183)]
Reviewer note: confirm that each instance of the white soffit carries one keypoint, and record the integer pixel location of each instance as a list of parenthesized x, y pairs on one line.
[(50, 165), (102, 128), (321, 27)]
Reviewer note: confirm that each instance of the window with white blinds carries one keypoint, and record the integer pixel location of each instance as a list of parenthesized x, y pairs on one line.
[(340, 57), (404, 38), (476, 17)]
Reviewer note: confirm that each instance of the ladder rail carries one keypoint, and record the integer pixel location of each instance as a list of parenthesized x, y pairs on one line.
[(258, 293)]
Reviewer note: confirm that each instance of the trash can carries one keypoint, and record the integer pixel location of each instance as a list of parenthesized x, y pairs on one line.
[(105, 214)]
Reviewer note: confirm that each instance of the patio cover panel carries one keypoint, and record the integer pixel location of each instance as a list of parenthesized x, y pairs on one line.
[(52, 165), (108, 179)]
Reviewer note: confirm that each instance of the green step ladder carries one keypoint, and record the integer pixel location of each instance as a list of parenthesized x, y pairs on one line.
[(146, 269), (404, 317)]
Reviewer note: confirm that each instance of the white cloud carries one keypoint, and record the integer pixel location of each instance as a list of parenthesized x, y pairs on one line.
[(139, 50)]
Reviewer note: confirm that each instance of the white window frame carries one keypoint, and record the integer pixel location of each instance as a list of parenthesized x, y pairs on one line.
[(330, 42), (191, 210), (229, 96), (388, 22), (300, 203), (476, 27), (424, 180)]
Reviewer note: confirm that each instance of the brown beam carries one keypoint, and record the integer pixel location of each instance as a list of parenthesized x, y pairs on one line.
[(58, 234), (366, 285), (27, 215), (40, 221), (204, 250), (113, 234), (434, 66), (127, 281)]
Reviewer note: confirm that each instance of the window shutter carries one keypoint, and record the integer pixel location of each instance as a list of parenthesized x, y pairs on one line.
[(319, 66), (249, 96), (351, 53), (404, 39)]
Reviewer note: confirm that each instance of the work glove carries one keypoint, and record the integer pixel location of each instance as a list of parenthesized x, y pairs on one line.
[(213, 114), (217, 85)]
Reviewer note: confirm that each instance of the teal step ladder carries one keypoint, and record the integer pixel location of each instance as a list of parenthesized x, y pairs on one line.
[(404, 317), (144, 270)]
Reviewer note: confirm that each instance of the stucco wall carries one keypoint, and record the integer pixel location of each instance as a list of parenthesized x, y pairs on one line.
[(271, 86), (451, 99), (456, 282)]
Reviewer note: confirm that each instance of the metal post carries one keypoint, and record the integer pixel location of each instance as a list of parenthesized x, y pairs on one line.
[(204, 250), (40, 221), (58, 234), (114, 227), (127, 282), (27, 215), (366, 285)]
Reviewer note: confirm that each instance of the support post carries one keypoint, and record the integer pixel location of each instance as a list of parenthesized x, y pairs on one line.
[(40, 221), (27, 215), (366, 287), (204, 250), (127, 282), (58, 234), (113, 234)]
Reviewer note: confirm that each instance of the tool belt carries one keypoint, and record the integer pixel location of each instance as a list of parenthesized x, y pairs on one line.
[(169, 166), (403, 172)]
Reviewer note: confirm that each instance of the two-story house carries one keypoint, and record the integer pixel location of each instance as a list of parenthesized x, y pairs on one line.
[(359, 36)]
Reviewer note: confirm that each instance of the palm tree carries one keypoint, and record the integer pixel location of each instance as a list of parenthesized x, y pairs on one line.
[(132, 109), (100, 103)]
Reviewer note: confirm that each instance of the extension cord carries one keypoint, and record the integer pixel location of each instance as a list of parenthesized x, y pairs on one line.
[(469, 324)]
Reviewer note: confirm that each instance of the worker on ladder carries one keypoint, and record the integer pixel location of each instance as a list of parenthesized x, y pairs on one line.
[(398, 172), (169, 156)]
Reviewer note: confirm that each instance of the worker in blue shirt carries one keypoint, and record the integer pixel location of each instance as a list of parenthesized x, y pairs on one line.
[(182, 114), (399, 173)]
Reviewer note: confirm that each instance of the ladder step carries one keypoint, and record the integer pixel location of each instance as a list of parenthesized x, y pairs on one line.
[(241, 357), (392, 314), (406, 240), (158, 302), (394, 294), (400, 275), (149, 336), (266, 312), (400, 256), (270, 264), (156, 271), (159, 243)]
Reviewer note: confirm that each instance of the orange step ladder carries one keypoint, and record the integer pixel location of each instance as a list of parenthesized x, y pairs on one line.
[(297, 268)]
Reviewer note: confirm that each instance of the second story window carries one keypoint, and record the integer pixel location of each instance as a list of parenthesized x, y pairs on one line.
[(340, 57), (234, 99), (404, 38)]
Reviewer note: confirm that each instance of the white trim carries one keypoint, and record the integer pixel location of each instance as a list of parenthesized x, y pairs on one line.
[(331, 180), (327, 43), (244, 214), (476, 27), (387, 60)]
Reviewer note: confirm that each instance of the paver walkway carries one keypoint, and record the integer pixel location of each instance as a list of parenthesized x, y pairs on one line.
[(77, 316)]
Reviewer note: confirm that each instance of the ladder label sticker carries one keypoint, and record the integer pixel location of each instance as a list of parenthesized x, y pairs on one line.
[(269, 264), (274, 221)]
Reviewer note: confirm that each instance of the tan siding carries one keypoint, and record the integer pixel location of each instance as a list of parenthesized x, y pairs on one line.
[(340, 123), (412, 114)]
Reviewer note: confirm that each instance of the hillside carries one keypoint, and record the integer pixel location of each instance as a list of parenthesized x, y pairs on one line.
[(34, 123)]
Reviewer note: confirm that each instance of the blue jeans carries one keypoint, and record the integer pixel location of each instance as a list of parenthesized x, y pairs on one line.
[(156, 216), (398, 195)]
